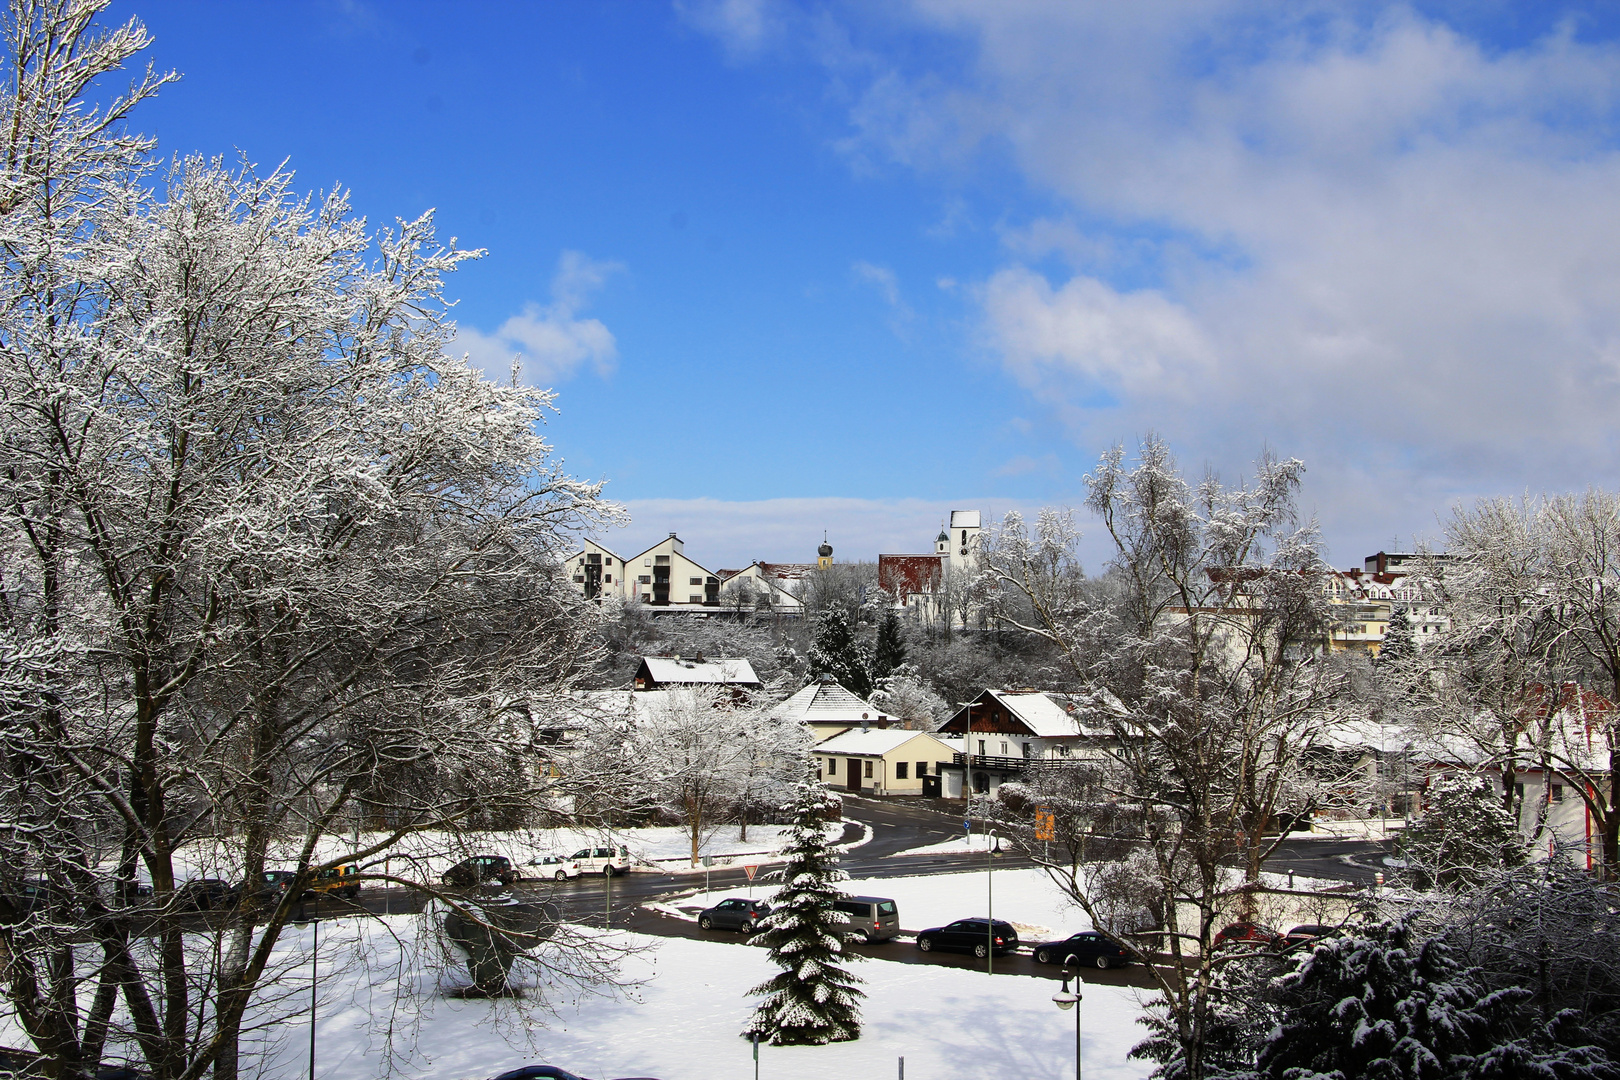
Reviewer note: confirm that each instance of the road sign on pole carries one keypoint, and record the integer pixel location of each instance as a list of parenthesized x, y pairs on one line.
[(1045, 825), (749, 870)]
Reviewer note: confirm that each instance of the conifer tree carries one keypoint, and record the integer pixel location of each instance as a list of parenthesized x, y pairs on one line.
[(1463, 835), (838, 657), (1400, 644), (891, 647), (813, 1000)]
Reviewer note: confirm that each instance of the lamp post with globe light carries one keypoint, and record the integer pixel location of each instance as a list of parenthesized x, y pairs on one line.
[(1066, 999)]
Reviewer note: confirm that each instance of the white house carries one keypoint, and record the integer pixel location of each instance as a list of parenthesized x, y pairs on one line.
[(882, 761), (1009, 732), (661, 577)]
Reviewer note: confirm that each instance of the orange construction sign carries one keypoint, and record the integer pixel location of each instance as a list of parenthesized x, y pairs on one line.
[(1045, 825)]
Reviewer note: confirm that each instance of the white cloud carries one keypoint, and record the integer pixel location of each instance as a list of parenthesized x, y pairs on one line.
[(549, 341), (1349, 232), (743, 27)]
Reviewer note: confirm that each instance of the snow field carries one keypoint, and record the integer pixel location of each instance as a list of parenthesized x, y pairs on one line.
[(681, 1023)]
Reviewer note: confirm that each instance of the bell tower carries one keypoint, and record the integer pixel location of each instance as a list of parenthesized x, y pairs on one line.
[(824, 554)]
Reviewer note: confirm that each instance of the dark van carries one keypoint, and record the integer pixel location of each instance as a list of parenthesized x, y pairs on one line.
[(870, 918)]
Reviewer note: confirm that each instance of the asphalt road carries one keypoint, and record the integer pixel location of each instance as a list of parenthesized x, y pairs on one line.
[(895, 826)]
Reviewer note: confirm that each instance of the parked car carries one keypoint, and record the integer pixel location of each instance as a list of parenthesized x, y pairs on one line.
[(1254, 935), (271, 886), (482, 870), (870, 918), (977, 936), (550, 1072), (735, 913), (205, 894), (1089, 947), (341, 881), (609, 861), (561, 867), (1302, 937)]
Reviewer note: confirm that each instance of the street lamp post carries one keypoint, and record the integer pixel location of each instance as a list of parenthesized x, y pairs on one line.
[(992, 848), (1066, 999)]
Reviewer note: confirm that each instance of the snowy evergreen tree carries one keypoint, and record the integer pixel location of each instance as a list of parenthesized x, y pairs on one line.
[(837, 656), (1388, 1006), (813, 1001), (1400, 644), (891, 647), (1463, 834)]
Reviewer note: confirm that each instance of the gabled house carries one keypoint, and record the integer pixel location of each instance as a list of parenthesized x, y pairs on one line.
[(876, 761), (1010, 732), (662, 577), (827, 709)]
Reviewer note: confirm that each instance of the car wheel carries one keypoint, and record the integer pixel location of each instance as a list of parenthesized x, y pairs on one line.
[(1042, 956), (1104, 963), (981, 951), (862, 938), (607, 871), (561, 875), (706, 922), (925, 944)]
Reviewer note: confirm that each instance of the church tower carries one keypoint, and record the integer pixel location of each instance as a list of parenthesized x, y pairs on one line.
[(824, 554), (942, 545)]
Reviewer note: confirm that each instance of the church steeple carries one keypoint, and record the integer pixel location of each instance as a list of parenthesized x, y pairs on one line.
[(824, 553)]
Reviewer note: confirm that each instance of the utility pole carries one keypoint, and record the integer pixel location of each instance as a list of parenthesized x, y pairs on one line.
[(314, 981)]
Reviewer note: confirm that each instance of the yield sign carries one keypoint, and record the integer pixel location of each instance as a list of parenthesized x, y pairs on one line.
[(749, 870)]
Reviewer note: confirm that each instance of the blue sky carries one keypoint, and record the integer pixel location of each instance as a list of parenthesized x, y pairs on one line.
[(795, 267)]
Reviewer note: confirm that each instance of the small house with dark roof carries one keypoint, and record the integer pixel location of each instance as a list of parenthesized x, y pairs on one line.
[(670, 672)]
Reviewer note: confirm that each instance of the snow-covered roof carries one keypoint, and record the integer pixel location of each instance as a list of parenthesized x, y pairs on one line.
[(827, 703), (964, 519), (687, 671), (872, 742)]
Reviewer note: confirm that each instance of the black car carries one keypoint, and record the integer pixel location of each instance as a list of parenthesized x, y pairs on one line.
[(977, 936), (735, 913), (272, 885), (482, 870), (1086, 948), (205, 894), (550, 1072)]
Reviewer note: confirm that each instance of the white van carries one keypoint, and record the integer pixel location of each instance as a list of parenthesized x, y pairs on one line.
[(609, 861), (560, 867)]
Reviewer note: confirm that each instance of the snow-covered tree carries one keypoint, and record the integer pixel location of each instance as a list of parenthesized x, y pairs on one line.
[(1532, 588), (904, 695), (838, 656), (1400, 644), (889, 652), (1385, 1004), (813, 1000), (275, 563), (1201, 656), (699, 756), (1462, 836)]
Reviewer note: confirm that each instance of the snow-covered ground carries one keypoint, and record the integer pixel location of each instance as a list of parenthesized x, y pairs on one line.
[(681, 1023), (1025, 898), (428, 854)]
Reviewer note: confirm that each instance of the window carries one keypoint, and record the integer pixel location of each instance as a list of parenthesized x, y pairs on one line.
[(695, 581), (608, 578), (646, 596), (900, 771), (594, 559), (646, 562), (868, 770), (922, 769), (694, 599), (1558, 793), (981, 748), (646, 579), (1063, 749), (662, 560), (1003, 747), (579, 579), (832, 766)]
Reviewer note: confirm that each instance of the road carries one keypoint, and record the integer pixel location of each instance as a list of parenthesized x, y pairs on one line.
[(894, 826)]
